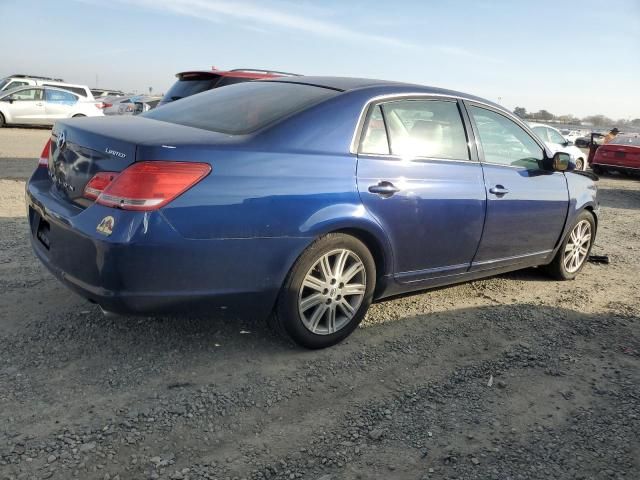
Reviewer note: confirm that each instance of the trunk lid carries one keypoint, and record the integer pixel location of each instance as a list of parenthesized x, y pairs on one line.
[(619, 155), (80, 148)]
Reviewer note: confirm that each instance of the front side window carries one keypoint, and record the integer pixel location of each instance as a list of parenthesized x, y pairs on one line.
[(426, 128), (504, 142), (58, 96), (191, 83), (31, 94)]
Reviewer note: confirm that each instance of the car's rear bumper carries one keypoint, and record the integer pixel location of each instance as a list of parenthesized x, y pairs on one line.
[(144, 266)]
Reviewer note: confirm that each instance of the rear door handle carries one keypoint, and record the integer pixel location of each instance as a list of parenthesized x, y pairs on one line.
[(499, 190), (384, 189)]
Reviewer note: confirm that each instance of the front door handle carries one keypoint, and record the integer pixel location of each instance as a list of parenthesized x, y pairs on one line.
[(384, 189), (499, 190)]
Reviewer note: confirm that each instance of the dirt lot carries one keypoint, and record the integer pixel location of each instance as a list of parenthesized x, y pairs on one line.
[(516, 377)]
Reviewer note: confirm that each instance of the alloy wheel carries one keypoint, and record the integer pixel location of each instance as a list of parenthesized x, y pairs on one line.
[(332, 292), (577, 247)]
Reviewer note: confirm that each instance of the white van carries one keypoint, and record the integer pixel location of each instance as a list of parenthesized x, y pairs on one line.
[(20, 80)]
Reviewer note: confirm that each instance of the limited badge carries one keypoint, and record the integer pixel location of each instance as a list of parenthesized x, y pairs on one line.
[(106, 225)]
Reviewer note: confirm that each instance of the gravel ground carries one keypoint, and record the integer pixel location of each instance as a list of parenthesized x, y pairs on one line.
[(515, 377)]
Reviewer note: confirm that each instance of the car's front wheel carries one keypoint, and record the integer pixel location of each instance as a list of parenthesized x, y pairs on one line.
[(327, 292), (575, 248)]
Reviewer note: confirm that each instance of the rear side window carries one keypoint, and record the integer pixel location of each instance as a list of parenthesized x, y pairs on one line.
[(426, 128), (374, 140), (190, 84), (242, 108), (58, 96), (80, 91)]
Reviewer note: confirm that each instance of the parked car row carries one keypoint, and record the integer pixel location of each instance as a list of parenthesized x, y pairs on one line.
[(43, 105), (622, 154)]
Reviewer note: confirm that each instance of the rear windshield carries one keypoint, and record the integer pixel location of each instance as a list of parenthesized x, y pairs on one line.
[(190, 84), (242, 108), (626, 140)]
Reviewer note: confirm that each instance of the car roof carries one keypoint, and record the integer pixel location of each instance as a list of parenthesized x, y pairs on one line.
[(345, 84)]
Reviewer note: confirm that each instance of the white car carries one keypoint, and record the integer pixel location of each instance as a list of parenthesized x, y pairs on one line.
[(572, 135), (43, 106), (15, 81), (557, 143)]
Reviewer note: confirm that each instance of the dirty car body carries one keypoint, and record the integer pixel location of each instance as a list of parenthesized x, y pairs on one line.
[(274, 179)]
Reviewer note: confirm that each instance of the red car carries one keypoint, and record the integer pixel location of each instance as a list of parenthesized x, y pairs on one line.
[(620, 154), (196, 81)]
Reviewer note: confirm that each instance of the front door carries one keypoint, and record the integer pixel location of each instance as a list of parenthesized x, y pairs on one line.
[(27, 106), (526, 203), (419, 179)]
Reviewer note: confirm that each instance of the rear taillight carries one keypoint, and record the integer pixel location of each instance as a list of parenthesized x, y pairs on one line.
[(149, 185), (43, 161), (102, 105), (98, 183)]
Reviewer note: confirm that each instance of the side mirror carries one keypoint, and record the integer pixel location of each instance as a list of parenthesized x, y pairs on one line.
[(562, 162)]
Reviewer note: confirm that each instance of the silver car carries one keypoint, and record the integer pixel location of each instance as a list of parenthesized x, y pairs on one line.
[(43, 106)]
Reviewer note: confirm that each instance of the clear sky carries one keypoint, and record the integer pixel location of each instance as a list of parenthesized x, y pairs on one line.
[(580, 57)]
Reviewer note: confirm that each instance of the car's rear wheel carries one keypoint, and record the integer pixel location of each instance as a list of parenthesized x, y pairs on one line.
[(575, 248), (1, 120), (580, 164), (327, 293)]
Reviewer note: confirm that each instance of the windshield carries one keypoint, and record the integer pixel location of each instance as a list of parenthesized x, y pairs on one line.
[(241, 108), (190, 84), (4, 82)]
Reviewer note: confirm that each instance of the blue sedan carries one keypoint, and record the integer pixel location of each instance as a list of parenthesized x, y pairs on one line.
[(303, 199)]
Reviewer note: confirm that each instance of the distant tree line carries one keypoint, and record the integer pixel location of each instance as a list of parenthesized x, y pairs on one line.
[(600, 121)]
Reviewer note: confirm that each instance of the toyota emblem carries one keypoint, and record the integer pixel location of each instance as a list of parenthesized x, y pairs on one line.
[(62, 139)]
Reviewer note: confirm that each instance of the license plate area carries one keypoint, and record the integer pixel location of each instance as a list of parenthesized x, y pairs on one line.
[(43, 232), (619, 155)]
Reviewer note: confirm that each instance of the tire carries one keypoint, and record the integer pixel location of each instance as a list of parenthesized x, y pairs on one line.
[(78, 115), (314, 308), (580, 164), (2, 121), (575, 248)]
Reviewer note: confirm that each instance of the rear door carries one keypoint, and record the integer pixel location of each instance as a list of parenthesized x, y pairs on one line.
[(418, 176), (58, 103), (27, 106), (526, 203)]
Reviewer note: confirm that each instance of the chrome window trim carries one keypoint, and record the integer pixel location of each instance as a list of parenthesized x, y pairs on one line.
[(403, 96), (399, 158)]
